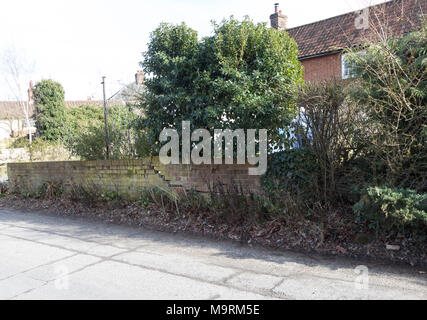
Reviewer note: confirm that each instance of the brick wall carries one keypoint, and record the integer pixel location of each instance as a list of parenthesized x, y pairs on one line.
[(322, 68), (129, 177)]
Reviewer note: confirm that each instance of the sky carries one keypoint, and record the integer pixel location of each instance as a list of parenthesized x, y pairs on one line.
[(77, 42)]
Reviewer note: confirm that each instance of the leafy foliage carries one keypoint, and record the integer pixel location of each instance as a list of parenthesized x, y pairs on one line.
[(243, 76), (293, 172), (86, 133), (4, 189), (50, 116), (398, 210), (171, 59), (43, 150)]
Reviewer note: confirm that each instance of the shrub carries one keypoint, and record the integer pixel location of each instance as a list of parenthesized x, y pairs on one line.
[(143, 147), (293, 172), (20, 142), (229, 203), (47, 150), (43, 150), (50, 115), (88, 193), (392, 210), (91, 193), (392, 88), (4, 189), (330, 157), (89, 143), (332, 128), (223, 204), (243, 76), (86, 133), (51, 190), (166, 200), (48, 190)]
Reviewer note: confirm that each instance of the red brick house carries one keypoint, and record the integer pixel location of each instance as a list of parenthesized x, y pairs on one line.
[(321, 43)]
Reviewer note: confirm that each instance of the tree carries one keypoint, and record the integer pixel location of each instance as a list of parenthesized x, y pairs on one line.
[(16, 73), (244, 76), (50, 116), (171, 58)]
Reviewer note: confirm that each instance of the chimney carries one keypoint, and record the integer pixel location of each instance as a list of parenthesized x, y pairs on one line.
[(278, 19), (139, 77), (30, 93)]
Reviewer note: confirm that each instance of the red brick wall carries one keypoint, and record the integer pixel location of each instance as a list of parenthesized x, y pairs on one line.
[(130, 177), (322, 68), (207, 178)]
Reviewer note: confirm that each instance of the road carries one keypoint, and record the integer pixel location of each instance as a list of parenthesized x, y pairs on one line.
[(45, 256)]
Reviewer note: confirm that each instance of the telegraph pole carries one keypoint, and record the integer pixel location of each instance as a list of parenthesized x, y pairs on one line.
[(107, 134)]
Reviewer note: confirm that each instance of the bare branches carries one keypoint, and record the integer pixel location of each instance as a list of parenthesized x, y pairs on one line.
[(16, 71), (392, 88), (332, 127)]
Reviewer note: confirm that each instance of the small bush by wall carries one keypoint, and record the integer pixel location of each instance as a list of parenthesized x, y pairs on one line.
[(395, 210)]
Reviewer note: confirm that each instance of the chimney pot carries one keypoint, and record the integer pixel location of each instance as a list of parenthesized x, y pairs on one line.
[(278, 19)]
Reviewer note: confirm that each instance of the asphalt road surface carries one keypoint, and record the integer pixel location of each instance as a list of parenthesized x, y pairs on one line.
[(51, 257)]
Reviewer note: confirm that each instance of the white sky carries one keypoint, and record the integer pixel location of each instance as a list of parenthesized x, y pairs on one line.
[(76, 42)]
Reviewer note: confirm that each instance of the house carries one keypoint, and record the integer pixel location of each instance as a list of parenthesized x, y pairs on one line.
[(321, 43), (131, 92), (12, 117)]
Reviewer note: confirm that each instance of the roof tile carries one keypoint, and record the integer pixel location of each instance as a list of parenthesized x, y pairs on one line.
[(336, 33)]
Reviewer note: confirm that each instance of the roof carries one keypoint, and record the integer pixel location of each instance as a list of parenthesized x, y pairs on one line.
[(78, 103), (336, 33), (129, 93), (10, 110)]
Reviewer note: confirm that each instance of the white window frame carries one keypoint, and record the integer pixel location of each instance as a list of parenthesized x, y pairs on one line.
[(347, 71)]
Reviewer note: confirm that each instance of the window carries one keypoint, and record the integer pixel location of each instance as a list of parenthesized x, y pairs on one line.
[(347, 68)]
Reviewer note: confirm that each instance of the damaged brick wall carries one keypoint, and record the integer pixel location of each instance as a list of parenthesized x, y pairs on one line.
[(130, 177)]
